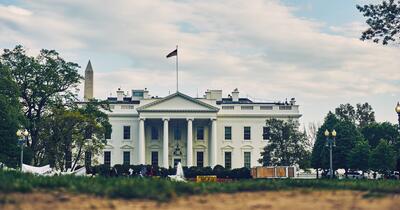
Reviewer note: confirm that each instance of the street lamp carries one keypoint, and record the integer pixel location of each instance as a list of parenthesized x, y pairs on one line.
[(330, 142), (22, 138), (397, 109)]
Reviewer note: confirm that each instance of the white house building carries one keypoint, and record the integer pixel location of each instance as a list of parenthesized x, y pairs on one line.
[(207, 131)]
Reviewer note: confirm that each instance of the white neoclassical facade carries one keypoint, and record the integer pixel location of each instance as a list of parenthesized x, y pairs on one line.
[(207, 131), (194, 131)]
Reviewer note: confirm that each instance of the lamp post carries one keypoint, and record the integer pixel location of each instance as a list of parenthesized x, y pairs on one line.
[(330, 142), (397, 109), (22, 138)]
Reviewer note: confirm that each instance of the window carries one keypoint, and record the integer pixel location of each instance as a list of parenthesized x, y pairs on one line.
[(285, 107), (154, 158), (200, 159), (88, 159), (200, 133), (246, 107), (154, 133), (107, 158), (247, 133), (228, 133), (228, 107), (108, 133), (228, 160), (247, 159), (266, 133), (177, 133), (127, 158), (265, 107), (137, 94), (127, 132)]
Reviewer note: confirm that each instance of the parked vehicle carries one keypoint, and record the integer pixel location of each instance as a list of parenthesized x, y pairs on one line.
[(394, 175), (354, 175)]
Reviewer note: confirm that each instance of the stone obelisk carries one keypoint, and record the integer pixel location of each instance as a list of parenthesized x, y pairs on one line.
[(88, 93)]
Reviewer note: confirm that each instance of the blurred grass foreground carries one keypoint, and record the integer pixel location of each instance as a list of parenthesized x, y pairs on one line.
[(163, 189)]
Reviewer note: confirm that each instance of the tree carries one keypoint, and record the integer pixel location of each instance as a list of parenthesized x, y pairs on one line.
[(287, 145), (319, 155), (347, 136), (374, 132), (362, 115), (365, 115), (10, 118), (42, 81), (70, 133), (383, 21), (346, 112), (359, 156), (383, 158)]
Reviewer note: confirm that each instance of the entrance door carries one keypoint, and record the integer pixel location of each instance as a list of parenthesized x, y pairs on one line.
[(176, 161)]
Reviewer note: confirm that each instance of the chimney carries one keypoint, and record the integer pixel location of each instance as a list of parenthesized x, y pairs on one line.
[(146, 93), (120, 95), (235, 95), (208, 94), (88, 86), (292, 101)]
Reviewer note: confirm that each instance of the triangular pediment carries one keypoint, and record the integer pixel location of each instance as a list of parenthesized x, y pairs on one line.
[(177, 102)]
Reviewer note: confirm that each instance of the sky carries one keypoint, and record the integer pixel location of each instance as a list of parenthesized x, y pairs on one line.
[(269, 49)]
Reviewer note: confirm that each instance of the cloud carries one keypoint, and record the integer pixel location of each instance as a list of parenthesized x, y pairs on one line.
[(260, 47)]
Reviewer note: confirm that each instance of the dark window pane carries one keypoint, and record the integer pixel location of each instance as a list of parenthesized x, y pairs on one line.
[(247, 159), (108, 133), (200, 133), (107, 158), (154, 158), (266, 133), (228, 160), (127, 132), (247, 133), (200, 159), (127, 158), (228, 133)]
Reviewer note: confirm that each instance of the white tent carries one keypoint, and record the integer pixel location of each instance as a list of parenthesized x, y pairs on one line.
[(44, 170)]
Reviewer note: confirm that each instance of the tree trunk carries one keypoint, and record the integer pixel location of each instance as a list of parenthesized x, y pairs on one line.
[(317, 173)]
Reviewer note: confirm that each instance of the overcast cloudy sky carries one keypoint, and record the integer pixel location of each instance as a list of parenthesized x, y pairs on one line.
[(268, 49)]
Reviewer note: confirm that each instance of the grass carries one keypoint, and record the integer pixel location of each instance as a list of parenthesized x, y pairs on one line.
[(163, 190)]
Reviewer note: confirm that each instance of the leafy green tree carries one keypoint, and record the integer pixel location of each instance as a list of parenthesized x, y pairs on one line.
[(347, 137), (374, 132), (10, 118), (319, 155), (383, 158), (359, 156), (383, 21), (287, 145), (42, 82), (346, 112), (365, 115), (70, 133)]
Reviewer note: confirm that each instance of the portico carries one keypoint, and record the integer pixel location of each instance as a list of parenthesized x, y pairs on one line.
[(178, 124)]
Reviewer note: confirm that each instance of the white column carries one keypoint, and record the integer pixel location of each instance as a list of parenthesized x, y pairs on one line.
[(213, 148), (142, 153), (189, 152), (165, 143)]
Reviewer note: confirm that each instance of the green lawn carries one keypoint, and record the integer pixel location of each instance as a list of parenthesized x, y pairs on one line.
[(161, 189)]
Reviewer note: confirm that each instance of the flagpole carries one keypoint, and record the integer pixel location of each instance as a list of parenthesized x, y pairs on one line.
[(177, 89)]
